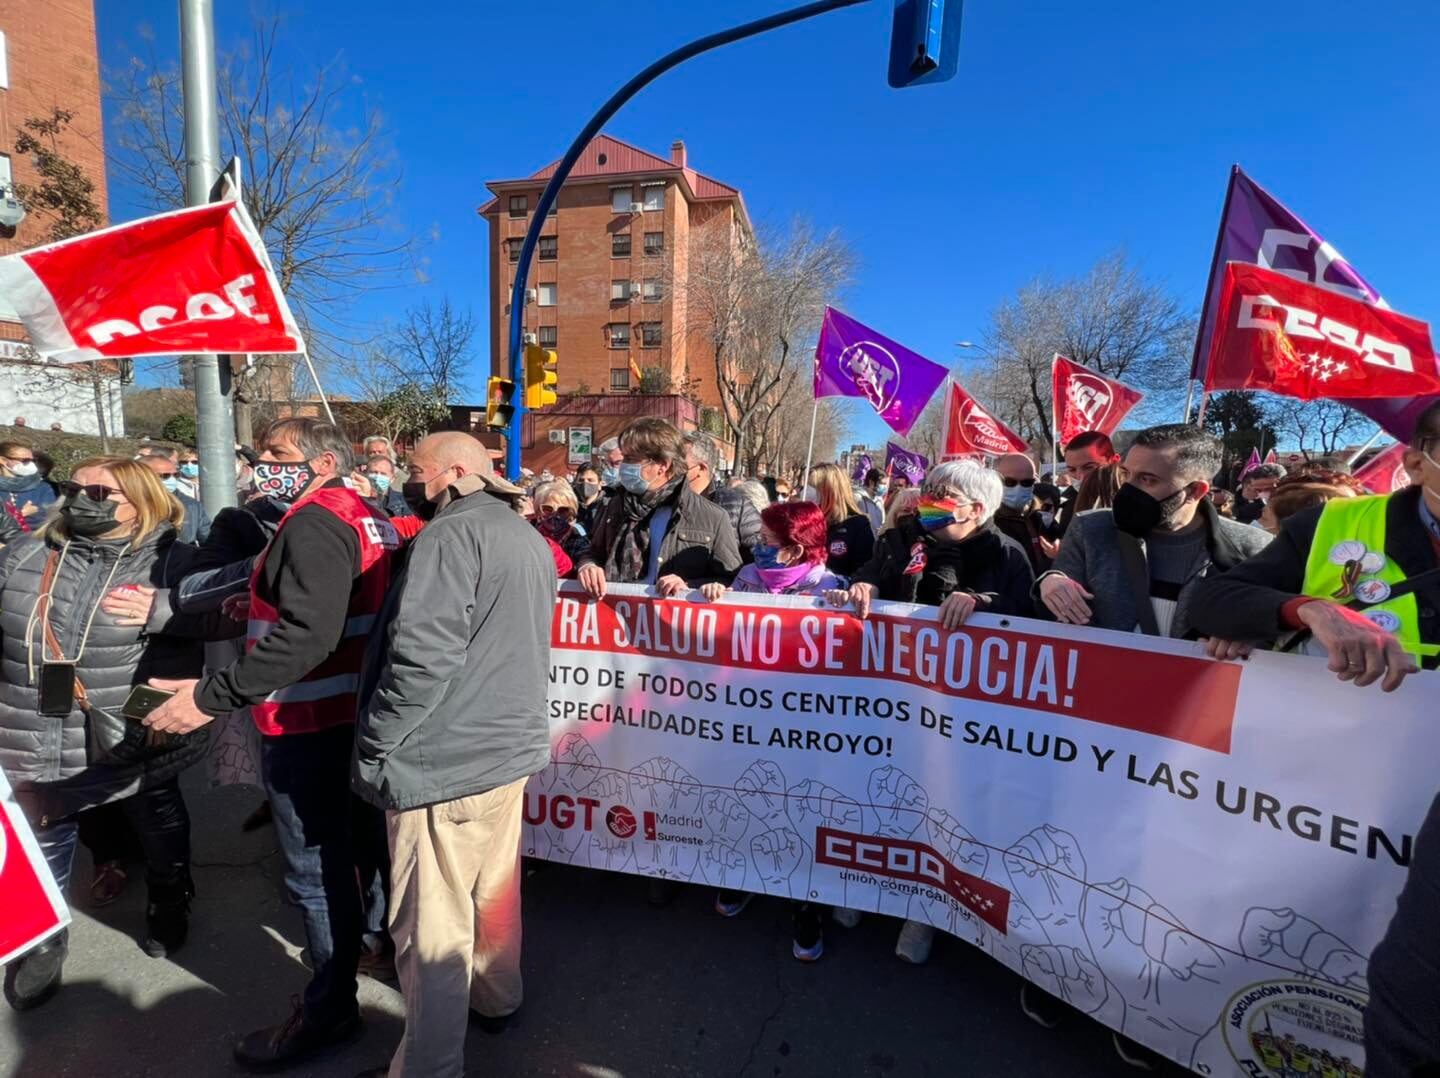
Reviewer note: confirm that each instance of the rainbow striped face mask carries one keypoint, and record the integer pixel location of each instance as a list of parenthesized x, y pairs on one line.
[(937, 513)]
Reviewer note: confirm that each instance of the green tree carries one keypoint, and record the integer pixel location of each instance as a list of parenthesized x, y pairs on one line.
[(1240, 422), (179, 428)]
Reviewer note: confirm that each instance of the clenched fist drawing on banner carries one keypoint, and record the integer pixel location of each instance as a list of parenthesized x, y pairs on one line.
[(761, 789), (1165, 972), (1047, 873), (1283, 938), (782, 860)]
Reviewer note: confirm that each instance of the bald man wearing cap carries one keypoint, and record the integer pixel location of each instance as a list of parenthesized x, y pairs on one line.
[(454, 724)]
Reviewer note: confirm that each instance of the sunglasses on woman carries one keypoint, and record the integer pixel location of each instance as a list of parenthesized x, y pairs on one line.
[(94, 491), (1026, 483)]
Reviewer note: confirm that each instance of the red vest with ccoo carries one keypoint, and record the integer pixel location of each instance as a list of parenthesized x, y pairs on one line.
[(325, 696)]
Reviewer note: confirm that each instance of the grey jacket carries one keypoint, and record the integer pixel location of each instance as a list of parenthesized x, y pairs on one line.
[(1099, 556), (70, 763), (454, 688)]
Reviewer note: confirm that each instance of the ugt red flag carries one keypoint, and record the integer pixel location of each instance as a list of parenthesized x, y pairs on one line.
[(1292, 338), (969, 428), (195, 281), (31, 908), (1084, 400), (1385, 474)]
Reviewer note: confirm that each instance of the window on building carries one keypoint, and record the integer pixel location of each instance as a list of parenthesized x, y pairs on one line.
[(654, 242), (650, 289), (519, 205), (545, 294), (619, 335), (620, 378), (654, 196), (6, 179), (620, 199), (512, 249), (4, 62), (619, 291), (548, 337), (554, 207), (650, 334), (620, 245), (549, 248)]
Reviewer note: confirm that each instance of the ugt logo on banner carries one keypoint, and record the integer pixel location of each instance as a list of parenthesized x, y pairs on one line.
[(31, 908)]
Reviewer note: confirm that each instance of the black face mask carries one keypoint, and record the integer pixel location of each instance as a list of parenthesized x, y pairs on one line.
[(86, 518), (1138, 514), (415, 497)]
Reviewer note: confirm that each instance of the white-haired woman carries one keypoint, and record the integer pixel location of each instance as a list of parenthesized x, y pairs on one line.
[(948, 554)]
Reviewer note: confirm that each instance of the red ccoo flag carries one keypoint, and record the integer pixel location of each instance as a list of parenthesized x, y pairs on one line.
[(191, 282), (970, 429), (1298, 340), (1385, 474), (1084, 400)]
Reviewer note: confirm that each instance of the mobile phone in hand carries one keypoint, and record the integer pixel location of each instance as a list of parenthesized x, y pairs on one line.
[(142, 700)]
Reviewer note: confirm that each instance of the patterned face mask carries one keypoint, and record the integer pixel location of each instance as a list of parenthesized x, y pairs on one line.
[(285, 481)]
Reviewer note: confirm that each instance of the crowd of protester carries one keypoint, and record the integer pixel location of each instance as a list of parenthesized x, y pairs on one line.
[(390, 692)]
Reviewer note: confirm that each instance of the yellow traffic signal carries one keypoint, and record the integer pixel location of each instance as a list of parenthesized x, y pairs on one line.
[(540, 377), (499, 403)]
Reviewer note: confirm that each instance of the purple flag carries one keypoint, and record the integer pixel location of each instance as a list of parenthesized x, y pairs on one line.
[(912, 466), (1252, 463), (863, 465), (852, 360), (1257, 229)]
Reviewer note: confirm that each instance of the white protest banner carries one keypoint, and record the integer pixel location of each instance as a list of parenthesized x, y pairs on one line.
[(31, 906), (1198, 854)]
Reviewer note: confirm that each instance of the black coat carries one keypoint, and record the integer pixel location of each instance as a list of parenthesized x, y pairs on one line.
[(1245, 603), (743, 516), (989, 565), (852, 544), (699, 544)]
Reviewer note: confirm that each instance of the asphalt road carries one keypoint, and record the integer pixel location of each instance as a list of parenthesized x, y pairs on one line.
[(614, 989)]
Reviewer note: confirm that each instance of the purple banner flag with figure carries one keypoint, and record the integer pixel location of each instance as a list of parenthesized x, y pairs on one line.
[(852, 360), (1252, 463), (863, 465), (1258, 229), (900, 461)]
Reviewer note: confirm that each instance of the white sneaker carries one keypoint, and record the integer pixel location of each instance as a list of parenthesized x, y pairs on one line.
[(845, 917), (914, 943)]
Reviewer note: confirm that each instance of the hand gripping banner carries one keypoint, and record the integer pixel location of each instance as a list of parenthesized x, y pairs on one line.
[(1146, 833), (193, 282)]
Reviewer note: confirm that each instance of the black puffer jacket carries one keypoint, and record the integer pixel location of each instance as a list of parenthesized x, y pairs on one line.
[(67, 764), (989, 565), (743, 515)]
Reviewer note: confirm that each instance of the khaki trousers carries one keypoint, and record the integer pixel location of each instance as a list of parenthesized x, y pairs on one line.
[(455, 919)]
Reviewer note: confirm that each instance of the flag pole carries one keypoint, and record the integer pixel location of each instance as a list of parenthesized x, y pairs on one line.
[(810, 449), (945, 434), (318, 387), (1379, 430), (1209, 291), (1189, 398)]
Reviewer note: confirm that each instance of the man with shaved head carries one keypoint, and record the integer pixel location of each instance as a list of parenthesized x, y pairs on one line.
[(1017, 507), (452, 723)]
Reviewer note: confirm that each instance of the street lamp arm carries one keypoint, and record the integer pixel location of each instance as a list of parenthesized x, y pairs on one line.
[(562, 171)]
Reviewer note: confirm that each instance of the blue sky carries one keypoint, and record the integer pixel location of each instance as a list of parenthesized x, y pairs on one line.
[(1071, 129)]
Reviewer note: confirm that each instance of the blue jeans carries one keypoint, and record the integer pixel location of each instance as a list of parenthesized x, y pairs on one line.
[(308, 779), (1402, 1021)]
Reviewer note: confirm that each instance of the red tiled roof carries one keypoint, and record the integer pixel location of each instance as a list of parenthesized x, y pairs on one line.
[(622, 159)]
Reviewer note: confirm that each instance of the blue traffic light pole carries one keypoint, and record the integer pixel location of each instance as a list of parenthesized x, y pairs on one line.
[(552, 189)]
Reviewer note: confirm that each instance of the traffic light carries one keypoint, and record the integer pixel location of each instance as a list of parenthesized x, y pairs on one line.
[(924, 42), (499, 403), (540, 377)]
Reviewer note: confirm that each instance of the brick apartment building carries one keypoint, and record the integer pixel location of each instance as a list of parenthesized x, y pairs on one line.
[(48, 59), (609, 277)]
